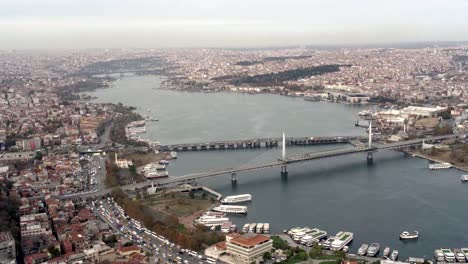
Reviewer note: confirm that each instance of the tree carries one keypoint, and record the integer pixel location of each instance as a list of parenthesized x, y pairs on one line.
[(316, 251), (132, 169), (38, 155), (55, 252), (267, 255)]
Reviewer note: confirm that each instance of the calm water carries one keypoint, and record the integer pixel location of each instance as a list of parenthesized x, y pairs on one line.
[(375, 202)]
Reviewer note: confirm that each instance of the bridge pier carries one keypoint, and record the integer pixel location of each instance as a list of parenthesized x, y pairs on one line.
[(370, 157), (233, 177), (284, 171)]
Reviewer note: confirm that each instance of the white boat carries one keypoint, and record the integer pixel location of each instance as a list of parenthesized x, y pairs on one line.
[(211, 220), (386, 252), (259, 228), (237, 199), (362, 250), (231, 209), (313, 238), (373, 249), (439, 255), (459, 255), (214, 214), (439, 166), (266, 228), (448, 255), (252, 227), (327, 243), (344, 239), (173, 155), (465, 252), (297, 236), (245, 228), (345, 249), (163, 162), (405, 235), (464, 178), (394, 255), (295, 230), (226, 227)]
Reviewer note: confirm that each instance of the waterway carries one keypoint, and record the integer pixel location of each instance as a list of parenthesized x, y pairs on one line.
[(376, 202)]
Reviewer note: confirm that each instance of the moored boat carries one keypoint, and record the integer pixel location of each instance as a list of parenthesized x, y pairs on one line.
[(245, 228), (386, 252), (362, 250), (237, 198), (394, 255), (341, 240), (439, 255), (459, 255), (373, 250), (448, 255)]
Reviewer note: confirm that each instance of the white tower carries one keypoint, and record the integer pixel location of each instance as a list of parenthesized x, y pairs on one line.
[(370, 134), (283, 155)]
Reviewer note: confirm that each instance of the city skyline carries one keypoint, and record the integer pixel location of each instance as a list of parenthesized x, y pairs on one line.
[(27, 24)]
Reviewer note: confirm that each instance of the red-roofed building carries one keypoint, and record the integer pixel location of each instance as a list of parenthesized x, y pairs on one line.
[(248, 248), (36, 258)]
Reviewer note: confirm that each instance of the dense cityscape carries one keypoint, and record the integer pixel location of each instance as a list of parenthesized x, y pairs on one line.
[(56, 143)]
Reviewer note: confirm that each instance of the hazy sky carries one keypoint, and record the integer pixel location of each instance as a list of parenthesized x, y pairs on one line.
[(226, 23)]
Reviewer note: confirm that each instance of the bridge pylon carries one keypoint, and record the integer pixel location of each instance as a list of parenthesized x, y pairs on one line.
[(284, 171), (234, 177)]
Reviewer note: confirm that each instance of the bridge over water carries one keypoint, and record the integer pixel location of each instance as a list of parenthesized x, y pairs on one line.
[(283, 162)]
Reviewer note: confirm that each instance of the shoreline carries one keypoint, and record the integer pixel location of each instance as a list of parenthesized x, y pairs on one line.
[(427, 157)]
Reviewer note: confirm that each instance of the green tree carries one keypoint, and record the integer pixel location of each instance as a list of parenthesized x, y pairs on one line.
[(38, 155), (267, 255), (132, 169), (316, 251)]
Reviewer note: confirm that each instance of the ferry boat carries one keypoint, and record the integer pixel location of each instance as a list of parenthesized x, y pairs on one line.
[(459, 255), (313, 238), (237, 199), (439, 166), (297, 236), (295, 230), (373, 250), (259, 228), (252, 227), (448, 254), (328, 242), (386, 252), (210, 221), (464, 178), (465, 252), (214, 214), (341, 241), (405, 235), (163, 162), (266, 228), (394, 255), (362, 250), (231, 209), (173, 155), (245, 228)]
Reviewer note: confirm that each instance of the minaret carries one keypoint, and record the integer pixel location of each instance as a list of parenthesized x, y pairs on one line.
[(370, 134)]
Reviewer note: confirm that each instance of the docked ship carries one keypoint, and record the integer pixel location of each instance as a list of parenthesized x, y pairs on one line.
[(314, 237), (211, 221), (362, 250), (259, 228), (394, 255), (465, 252), (341, 240), (386, 252), (439, 166), (459, 255), (245, 228), (297, 236), (237, 199), (409, 235), (231, 209), (163, 162), (439, 255), (448, 255), (252, 227), (266, 228), (373, 249), (173, 155)]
